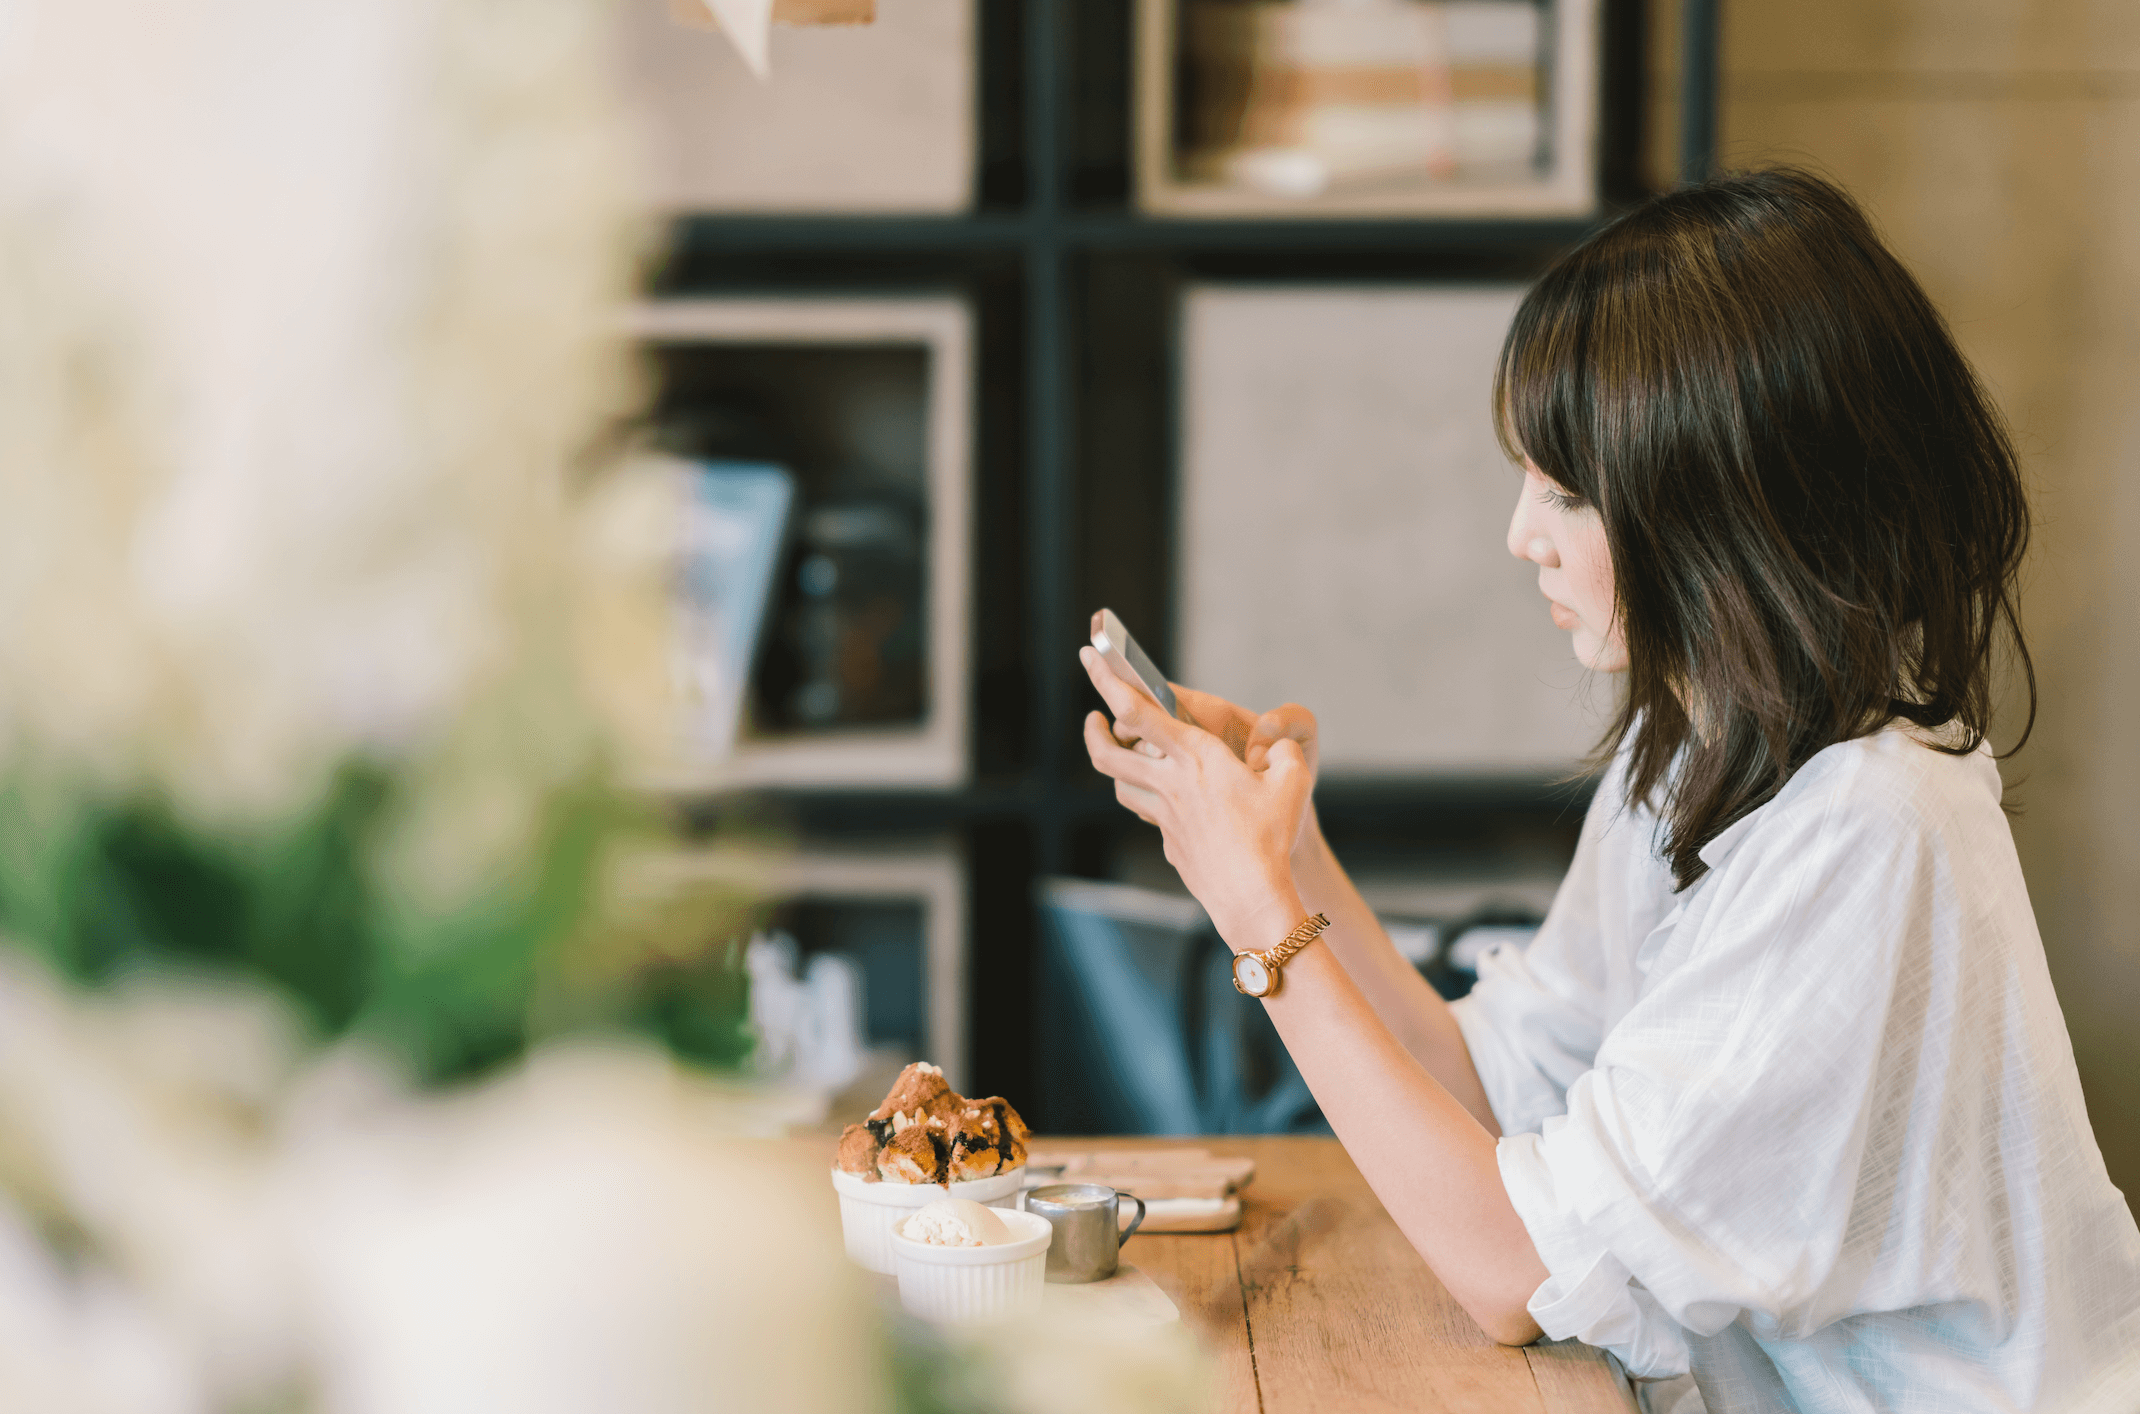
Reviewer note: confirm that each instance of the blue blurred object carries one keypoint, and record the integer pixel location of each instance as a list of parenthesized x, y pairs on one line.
[(1144, 1033), (1251, 1085), (735, 526)]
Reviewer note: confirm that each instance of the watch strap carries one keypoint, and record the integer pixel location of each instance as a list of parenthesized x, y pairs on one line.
[(1304, 933)]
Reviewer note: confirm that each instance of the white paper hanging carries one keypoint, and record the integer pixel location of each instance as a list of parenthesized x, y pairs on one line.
[(747, 23)]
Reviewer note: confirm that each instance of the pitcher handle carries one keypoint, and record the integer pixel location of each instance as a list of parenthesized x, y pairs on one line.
[(1134, 1223)]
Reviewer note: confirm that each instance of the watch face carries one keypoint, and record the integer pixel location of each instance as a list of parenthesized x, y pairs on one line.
[(1250, 975)]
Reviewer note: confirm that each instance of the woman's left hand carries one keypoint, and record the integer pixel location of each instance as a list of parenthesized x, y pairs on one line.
[(1229, 830)]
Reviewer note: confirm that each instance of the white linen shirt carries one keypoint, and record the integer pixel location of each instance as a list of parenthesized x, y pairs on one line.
[(1812, 1129)]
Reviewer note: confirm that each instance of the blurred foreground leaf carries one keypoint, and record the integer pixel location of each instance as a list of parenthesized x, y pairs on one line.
[(105, 889)]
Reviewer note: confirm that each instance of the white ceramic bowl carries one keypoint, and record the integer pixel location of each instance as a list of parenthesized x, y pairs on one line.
[(975, 1283), (869, 1211)]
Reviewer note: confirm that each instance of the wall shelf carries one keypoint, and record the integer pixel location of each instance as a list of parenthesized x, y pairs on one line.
[(1555, 70), (901, 372), (915, 872), (697, 235)]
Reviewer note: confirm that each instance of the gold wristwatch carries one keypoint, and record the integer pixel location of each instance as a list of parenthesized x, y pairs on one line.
[(1255, 974)]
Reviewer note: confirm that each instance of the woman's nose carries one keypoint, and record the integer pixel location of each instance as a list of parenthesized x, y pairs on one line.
[(1524, 542)]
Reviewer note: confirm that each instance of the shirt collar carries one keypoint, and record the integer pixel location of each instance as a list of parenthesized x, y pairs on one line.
[(1727, 839)]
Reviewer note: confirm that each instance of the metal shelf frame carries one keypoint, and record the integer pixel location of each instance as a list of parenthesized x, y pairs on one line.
[(1073, 291)]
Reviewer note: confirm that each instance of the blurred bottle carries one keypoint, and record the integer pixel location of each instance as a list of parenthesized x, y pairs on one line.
[(849, 648), (809, 1027)]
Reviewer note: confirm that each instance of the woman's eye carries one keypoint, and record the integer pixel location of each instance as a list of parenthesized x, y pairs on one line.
[(1565, 500)]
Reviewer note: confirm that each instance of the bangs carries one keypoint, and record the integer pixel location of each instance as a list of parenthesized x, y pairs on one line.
[(1544, 401), (1632, 352)]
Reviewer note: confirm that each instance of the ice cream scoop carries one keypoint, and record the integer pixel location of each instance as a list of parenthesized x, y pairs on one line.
[(956, 1222)]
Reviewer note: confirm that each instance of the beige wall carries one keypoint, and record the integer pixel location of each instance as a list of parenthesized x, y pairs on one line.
[(1340, 426), (876, 118), (1997, 142)]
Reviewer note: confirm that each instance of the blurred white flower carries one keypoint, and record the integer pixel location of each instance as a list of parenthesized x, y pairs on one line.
[(589, 1235), (81, 1343), (193, 1220), (306, 310), (196, 1216), (136, 1128), (1053, 1364)]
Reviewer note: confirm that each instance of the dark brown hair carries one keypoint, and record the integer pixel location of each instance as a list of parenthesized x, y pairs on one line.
[(1813, 510)]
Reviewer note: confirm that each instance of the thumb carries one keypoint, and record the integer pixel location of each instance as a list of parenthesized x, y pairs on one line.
[(1287, 757), (1290, 721)]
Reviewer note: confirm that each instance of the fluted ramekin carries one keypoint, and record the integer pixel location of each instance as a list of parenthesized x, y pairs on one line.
[(975, 1283), (869, 1211)]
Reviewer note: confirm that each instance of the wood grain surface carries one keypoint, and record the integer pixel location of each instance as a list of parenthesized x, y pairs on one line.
[(1318, 1303), (1199, 1271), (1569, 1373)]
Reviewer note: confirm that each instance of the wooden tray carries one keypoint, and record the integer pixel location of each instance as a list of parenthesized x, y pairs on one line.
[(1225, 1218), (1188, 1190)]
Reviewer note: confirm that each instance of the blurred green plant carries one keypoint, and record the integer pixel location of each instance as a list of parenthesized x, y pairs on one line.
[(104, 889)]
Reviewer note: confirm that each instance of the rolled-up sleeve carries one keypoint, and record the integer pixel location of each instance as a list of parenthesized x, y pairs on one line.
[(1589, 1293)]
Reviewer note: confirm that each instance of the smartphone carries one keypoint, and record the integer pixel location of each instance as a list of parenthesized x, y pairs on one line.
[(1130, 663)]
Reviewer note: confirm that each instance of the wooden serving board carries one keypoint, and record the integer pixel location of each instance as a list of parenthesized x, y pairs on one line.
[(1225, 1218), (1188, 1166), (1162, 1177)]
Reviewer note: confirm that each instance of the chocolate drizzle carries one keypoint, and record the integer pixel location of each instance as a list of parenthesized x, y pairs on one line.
[(960, 1141)]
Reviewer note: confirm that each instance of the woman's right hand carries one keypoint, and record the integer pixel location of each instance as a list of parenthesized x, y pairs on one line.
[(1251, 737)]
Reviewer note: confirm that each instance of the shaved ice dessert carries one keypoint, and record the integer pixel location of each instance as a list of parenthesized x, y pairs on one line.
[(925, 1132), (957, 1222)]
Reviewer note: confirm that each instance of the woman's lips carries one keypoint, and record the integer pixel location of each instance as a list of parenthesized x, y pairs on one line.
[(1563, 616)]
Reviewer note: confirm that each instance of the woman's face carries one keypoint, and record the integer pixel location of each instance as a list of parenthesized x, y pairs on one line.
[(1566, 540)]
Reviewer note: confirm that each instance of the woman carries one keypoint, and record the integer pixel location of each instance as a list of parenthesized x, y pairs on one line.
[(1780, 1094)]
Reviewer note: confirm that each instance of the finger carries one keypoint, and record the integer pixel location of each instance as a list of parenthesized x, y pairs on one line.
[(1111, 758), (1288, 770), (1138, 714), (1292, 721), (1224, 720), (1140, 802), (1130, 739)]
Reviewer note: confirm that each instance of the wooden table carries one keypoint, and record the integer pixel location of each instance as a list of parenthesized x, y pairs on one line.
[(1317, 1302)]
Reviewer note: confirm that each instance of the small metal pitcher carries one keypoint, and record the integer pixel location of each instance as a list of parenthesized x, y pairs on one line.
[(1088, 1235)]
